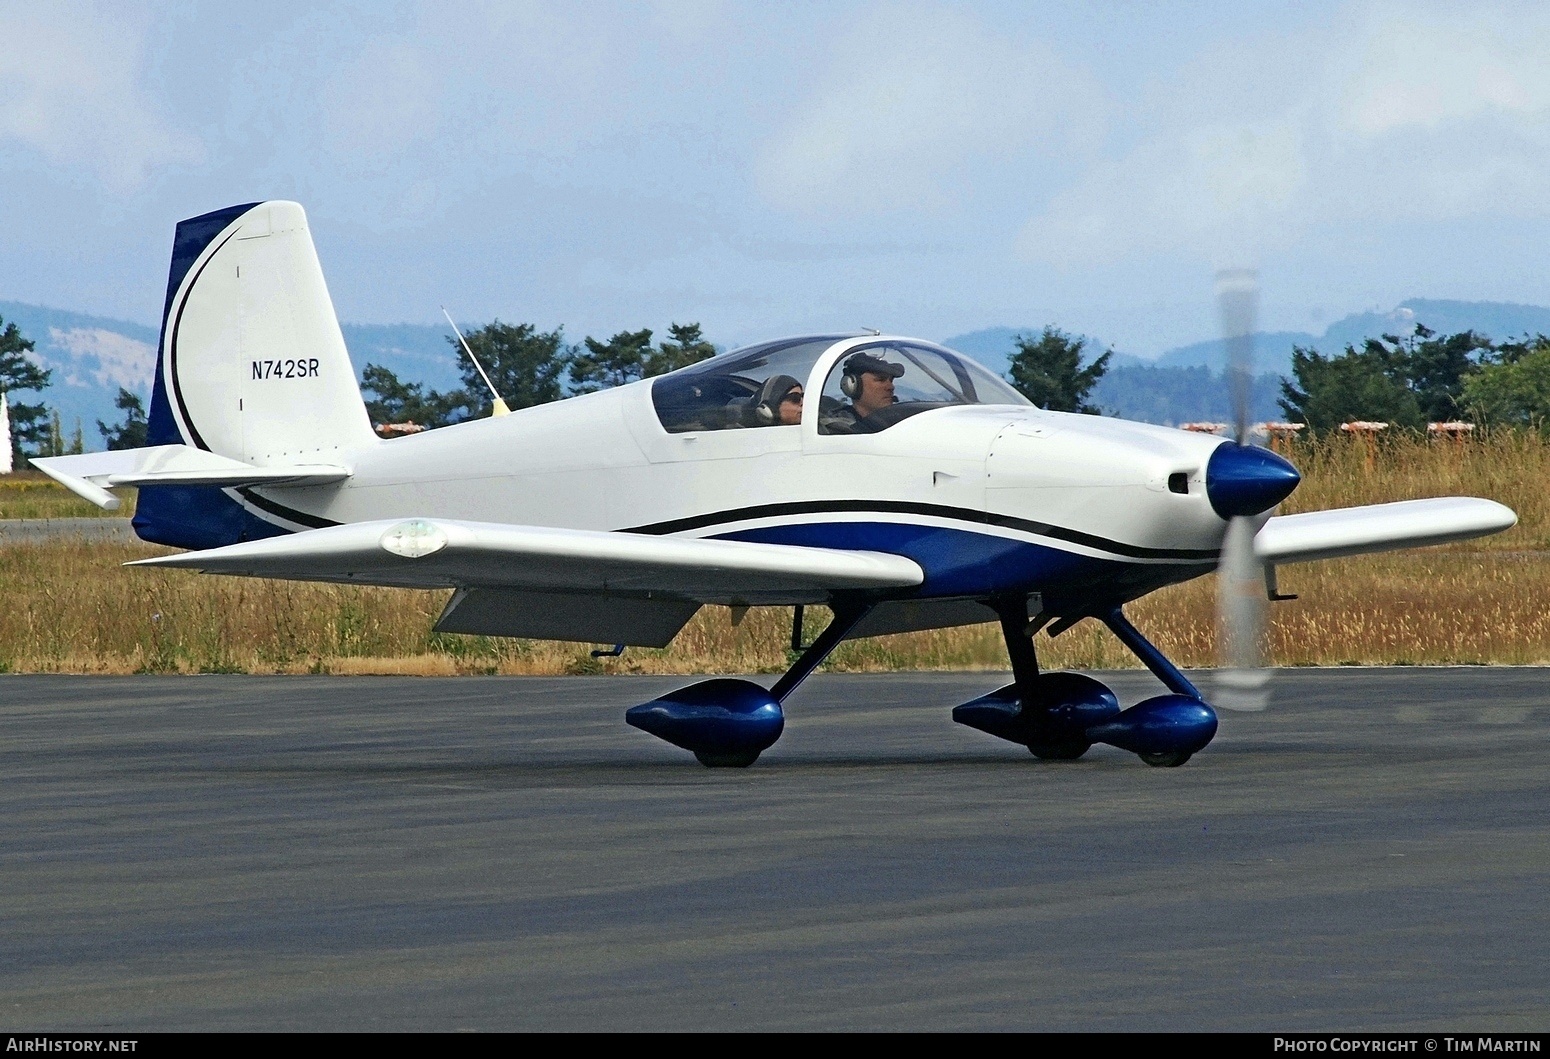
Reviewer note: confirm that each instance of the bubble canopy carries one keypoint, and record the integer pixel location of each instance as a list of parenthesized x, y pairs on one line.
[(725, 392)]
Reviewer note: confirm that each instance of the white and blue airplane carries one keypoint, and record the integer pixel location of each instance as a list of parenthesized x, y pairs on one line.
[(893, 480)]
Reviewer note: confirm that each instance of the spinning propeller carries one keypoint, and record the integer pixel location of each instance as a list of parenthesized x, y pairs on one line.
[(1242, 481)]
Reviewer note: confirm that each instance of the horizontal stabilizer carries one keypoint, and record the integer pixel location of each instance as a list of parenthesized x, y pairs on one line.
[(90, 475), (431, 553), (1379, 528)]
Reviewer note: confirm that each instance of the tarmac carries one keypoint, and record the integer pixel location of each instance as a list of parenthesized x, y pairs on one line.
[(330, 853)]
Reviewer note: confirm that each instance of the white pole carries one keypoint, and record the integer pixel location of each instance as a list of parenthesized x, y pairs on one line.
[(5, 435)]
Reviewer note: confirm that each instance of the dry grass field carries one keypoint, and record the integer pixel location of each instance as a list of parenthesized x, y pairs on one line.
[(71, 607), (33, 494)]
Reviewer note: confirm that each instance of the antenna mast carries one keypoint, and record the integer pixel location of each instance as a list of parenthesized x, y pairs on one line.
[(498, 407)]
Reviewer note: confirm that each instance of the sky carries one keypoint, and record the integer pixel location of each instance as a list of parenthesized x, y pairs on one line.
[(768, 169)]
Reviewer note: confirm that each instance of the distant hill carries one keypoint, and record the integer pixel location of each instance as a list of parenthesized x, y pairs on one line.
[(1181, 395), (1499, 320), (1182, 384), (1272, 352), (418, 352), (993, 347), (92, 356), (1273, 349)]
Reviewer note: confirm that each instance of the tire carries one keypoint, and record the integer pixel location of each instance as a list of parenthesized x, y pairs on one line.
[(736, 759), (1168, 759), (1067, 751)]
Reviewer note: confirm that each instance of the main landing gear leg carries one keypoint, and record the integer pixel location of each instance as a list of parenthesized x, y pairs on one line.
[(846, 618), (729, 723), (1167, 730)]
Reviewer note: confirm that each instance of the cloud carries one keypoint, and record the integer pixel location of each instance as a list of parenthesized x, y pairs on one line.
[(1217, 187), (1424, 72), (1389, 116), (381, 102), (915, 98), (70, 89)]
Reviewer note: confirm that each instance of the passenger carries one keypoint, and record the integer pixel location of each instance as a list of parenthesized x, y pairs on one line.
[(868, 382), (779, 402)]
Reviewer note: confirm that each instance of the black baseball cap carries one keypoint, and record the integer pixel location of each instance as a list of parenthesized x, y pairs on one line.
[(857, 363)]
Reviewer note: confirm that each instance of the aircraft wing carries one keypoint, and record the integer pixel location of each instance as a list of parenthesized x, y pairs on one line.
[(1378, 528), (593, 586)]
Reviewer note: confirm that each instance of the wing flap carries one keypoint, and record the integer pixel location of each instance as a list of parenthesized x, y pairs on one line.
[(90, 475), (1379, 528), (577, 616), (430, 553)]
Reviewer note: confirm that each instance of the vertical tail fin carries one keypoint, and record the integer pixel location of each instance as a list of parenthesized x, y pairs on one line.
[(252, 366), (252, 363)]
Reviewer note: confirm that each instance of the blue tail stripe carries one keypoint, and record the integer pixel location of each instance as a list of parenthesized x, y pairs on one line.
[(192, 237), (190, 516)]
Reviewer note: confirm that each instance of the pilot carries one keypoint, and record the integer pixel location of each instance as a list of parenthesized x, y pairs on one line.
[(779, 402), (868, 381)]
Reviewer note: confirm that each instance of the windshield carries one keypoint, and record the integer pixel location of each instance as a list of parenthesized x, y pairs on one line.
[(760, 386), (883, 383)]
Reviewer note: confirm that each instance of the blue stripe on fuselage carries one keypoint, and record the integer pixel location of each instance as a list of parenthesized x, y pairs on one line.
[(956, 562)]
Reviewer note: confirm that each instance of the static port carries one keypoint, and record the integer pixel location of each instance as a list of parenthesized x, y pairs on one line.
[(1178, 482)]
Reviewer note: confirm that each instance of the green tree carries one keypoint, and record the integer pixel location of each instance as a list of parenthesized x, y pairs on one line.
[(1513, 350), (29, 422), (687, 347), (525, 364), (395, 401), (604, 365), (130, 434), (1048, 371), (54, 443), (1513, 390), (1433, 367), (1370, 384)]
